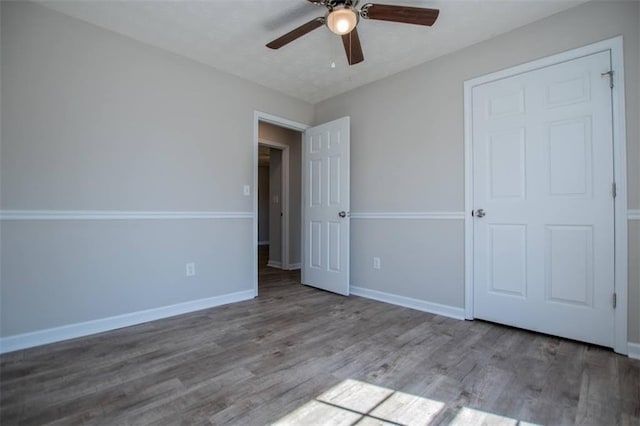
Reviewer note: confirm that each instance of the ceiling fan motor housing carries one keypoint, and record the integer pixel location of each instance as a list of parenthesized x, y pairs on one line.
[(330, 4)]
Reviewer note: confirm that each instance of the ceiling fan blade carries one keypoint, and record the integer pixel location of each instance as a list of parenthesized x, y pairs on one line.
[(352, 47), (296, 33), (404, 14)]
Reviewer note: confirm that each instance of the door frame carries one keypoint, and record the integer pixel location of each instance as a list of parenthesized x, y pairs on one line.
[(615, 46), (284, 202), (259, 116)]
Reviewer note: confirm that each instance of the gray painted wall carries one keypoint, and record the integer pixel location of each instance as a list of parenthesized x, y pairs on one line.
[(407, 152), (59, 272), (263, 204), (275, 206), (96, 121)]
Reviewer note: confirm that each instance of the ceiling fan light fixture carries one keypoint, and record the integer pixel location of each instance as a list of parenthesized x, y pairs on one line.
[(342, 20)]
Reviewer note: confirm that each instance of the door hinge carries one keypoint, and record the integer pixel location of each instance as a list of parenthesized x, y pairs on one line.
[(614, 190), (615, 300), (610, 74)]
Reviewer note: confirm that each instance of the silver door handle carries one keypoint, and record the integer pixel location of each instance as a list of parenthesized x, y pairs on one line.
[(342, 214), (479, 213)]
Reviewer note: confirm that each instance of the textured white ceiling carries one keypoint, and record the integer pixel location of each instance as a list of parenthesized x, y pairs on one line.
[(230, 35)]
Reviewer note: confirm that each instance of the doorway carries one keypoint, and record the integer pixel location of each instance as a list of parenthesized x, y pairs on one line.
[(278, 198), (319, 236)]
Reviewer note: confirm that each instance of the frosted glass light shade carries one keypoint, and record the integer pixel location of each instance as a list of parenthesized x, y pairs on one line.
[(342, 20)]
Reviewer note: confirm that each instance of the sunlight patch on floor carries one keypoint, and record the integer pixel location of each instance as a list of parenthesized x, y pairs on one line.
[(355, 395), (315, 412), (352, 402), (467, 416)]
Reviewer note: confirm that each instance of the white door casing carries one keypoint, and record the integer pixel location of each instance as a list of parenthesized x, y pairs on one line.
[(326, 206), (543, 254)]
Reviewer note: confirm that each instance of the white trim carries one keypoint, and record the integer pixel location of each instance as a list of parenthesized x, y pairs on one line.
[(633, 215), (274, 264), (634, 350), (294, 266), (615, 47), (621, 282), (468, 202), (409, 302), (558, 58), (263, 243), (284, 185), (273, 144), (117, 215), (408, 215), (280, 121), (259, 116), (72, 331)]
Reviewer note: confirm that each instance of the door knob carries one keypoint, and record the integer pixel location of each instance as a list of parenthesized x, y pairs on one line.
[(479, 213), (342, 214)]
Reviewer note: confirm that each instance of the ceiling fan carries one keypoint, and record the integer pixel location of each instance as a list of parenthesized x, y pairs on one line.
[(342, 18)]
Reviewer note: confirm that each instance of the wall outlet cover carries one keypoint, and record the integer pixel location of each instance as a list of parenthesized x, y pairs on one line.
[(190, 269)]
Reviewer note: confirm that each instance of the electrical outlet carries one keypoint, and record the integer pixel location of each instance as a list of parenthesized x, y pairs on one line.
[(191, 269), (376, 263), (246, 190)]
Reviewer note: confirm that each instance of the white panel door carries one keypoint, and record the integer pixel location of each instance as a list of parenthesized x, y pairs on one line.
[(326, 206), (543, 174)]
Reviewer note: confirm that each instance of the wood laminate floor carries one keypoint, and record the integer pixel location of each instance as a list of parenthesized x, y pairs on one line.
[(300, 356)]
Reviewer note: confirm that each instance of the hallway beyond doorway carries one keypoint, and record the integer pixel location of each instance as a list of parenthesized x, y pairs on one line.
[(269, 277)]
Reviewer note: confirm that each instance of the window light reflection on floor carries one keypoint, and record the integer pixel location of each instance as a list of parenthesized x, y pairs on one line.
[(467, 416), (352, 402)]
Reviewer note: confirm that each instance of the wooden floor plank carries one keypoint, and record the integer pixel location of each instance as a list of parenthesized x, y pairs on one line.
[(258, 361)]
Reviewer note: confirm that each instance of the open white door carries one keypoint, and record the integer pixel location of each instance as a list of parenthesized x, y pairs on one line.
[(326, 206)]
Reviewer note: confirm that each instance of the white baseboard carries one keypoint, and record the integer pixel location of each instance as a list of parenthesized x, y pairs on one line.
[(408, 302), (633, 350), (263, 243), (274, 264), (278, 265), (72, 331)]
